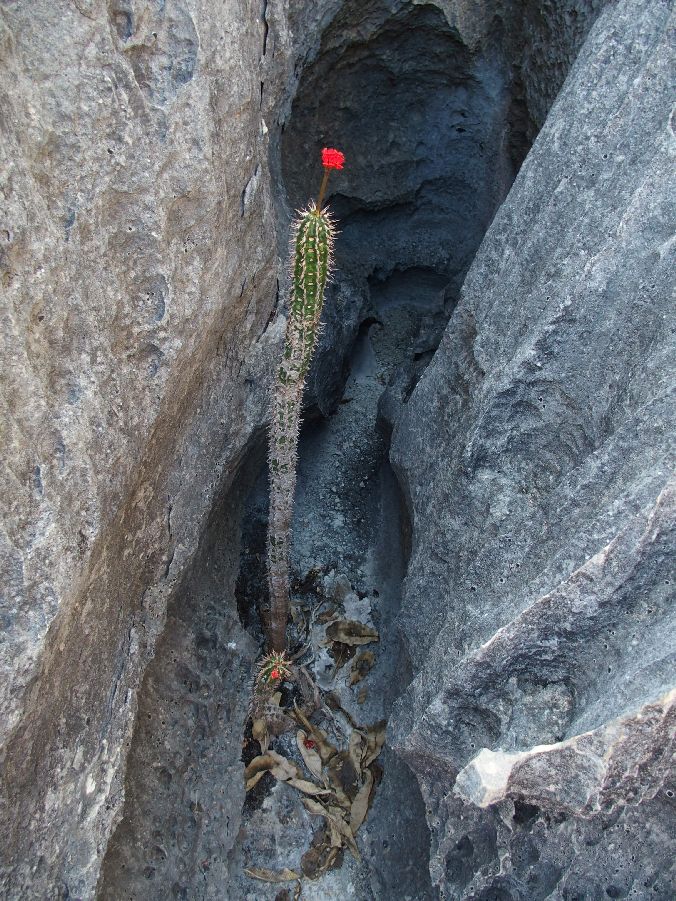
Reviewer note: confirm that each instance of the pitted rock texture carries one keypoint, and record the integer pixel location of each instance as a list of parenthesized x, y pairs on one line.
[(536, 454), (141, 148), (138, 264), (184, 787)]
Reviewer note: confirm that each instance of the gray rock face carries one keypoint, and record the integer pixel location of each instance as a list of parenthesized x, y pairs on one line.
[(536, 454), (435, 106), (138, 264), (141, 148)]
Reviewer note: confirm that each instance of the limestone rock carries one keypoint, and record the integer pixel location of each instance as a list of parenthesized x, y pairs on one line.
[(138, 268), (536, 454)]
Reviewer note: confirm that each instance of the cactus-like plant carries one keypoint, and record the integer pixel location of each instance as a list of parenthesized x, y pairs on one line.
[(311, 261)]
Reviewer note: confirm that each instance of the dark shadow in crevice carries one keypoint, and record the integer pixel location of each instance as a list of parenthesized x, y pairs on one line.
[(183, 768)]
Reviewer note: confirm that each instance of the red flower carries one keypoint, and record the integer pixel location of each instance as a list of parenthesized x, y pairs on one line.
[(332, 158), (275, 674), (309, 743)]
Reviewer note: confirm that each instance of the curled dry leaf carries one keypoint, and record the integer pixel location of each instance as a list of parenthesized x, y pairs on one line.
[(376, 740), (259, 764), (324, 747), (334, 836), (321, 857), (345, 831), (361, 803), (341, 653), (351, 632), (284, 769), (344, 778), (259, 730), (255, 779), (361, 666), (309, 690), (315, 808), (309, 788), (281, 768), (266, 875), (333, 816), (311, 758), (356, 749)]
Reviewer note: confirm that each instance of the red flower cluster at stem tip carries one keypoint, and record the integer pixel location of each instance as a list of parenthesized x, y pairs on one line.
[(275, 674), (332, 158)]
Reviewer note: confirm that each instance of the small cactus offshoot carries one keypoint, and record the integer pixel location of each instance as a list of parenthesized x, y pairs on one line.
[(273, 670), (311, 261)]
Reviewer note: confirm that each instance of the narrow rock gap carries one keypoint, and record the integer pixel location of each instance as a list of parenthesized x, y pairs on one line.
[(433, 134)]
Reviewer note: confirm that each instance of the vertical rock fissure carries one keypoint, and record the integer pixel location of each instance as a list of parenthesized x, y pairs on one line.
[(434, 127)]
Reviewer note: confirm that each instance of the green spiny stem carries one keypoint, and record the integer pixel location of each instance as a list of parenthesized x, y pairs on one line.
[(311, 263)]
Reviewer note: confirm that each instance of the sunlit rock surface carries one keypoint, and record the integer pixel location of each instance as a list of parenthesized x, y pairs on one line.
[(138, 264), (536, 454)]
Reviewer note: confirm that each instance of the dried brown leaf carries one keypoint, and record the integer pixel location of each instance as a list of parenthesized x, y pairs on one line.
[(333, 816), (345, 832), (325, 748), (311, 758), (279, 766), (334, 835), (327, 615), (255, 779), (284, 769), (362, 803), (321, 858), (314, 807), (309, 788), (309, 690), (351, 632), (341, 653), (356, 749), (376, 740), (259, 730), (266, 875), (361, 666), (261, 763), (344, 777)]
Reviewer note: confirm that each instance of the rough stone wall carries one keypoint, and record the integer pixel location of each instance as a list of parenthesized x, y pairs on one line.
[(184, 789), (436, 105), (536, 453), (139, 272), (138, 265)]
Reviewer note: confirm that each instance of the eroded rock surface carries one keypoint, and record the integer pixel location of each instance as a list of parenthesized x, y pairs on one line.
[(138, 265), (139, 268), (536, 453)]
